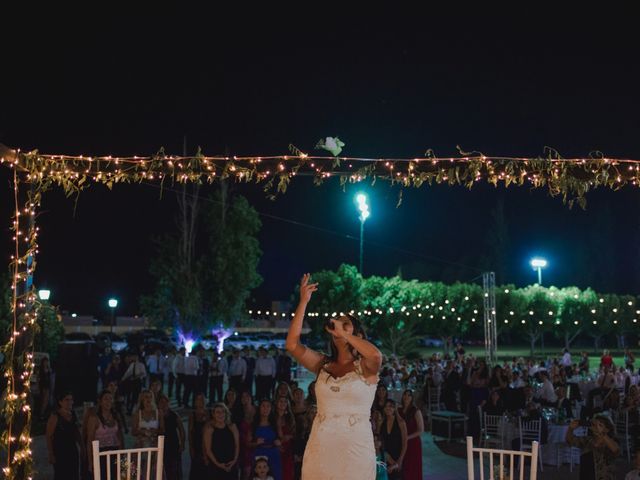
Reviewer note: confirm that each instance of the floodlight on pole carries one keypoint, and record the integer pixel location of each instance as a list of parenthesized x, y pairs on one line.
[(538, 264), (113, 303), (44, 294), (361, 198)]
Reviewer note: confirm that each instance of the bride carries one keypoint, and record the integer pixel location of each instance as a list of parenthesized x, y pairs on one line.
[(341, 442)]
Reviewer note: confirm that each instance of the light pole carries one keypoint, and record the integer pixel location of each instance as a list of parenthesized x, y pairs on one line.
[(44, 296), (538, 264), (113, 303), (361, 198)]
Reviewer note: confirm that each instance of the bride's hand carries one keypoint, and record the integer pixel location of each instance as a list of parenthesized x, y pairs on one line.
[(338, 330), (306, 288)]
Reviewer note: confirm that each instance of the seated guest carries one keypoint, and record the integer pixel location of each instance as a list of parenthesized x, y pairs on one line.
[(546, 395), (599, 449), (494, 405), (562, 403)]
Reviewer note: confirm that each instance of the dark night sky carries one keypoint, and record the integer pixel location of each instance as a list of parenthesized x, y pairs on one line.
[(389, 89)]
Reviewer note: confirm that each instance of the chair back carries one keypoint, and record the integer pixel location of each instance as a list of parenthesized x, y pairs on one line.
[(495, 464), (492, 425), (433, 398), (130, 464), (530, 431)]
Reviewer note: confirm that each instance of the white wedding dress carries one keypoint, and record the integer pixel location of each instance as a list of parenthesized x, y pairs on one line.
[(340, 445)]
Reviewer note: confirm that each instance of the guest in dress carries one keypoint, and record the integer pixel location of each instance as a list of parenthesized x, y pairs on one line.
[(174, 438), (232, 402), (264, 438), (197, 421), (147, 423), (44, 384), (222, 444), (412, 467), (286, 431), (246, 425), (381, 398), (63, 440), (103, 426), (394, 439), (493, 406)]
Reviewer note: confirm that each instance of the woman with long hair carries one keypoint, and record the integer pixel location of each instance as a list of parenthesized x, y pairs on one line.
[(345, 386), (44, 384), (286, 424), (63, 440), (147, 423), (197, 421), (311, 394), (412, 469), (381, 398), (232, 402), (104, 427), (174, 441), (264, 437), (394, 439), (244, 429), (222, 444)]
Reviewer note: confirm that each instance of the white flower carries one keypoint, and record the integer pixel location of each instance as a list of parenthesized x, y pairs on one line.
[(331, 144)]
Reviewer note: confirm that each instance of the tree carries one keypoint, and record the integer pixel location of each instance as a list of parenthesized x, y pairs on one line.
[(537, 321), (338, 291), (601, 323), (177, 298), (574, 313), (199, 288), (231, 260), (511, 308), (50, 330), (459, 303)]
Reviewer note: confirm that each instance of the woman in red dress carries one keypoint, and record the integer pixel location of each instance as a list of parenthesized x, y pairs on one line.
[(286, 431), (412, 466)]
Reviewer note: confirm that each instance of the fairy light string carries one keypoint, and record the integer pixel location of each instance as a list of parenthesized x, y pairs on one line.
[(569, 178)]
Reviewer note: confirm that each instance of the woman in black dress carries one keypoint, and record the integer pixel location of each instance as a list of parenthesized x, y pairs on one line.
[(63, 440), (197, 420), (173, 440), (44, 383), (222, 444), (394, 440)]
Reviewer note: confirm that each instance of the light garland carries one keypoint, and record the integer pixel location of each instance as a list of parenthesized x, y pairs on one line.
[(570, 178)]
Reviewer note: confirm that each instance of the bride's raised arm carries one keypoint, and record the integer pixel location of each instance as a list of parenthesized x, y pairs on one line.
[(305, 356)]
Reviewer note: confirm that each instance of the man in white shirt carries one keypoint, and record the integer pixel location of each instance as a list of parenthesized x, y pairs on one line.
[(265, 373), (237, 371), (191, 366), (178, 369), (565, 361), (155, 366), (133, 379), (547, 394), (217, 371)]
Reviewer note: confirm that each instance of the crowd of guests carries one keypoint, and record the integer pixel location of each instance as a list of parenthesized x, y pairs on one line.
[(246, 418)]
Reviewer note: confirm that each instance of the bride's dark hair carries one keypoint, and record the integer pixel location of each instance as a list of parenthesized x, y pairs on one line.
[(358, 329)]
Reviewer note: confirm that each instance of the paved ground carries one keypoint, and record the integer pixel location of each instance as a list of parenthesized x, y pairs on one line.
[(437, 465)]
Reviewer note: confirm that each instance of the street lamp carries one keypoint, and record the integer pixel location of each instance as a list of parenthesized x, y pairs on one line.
[(361, 198), (538, 264), (44, 294), (113, 303)]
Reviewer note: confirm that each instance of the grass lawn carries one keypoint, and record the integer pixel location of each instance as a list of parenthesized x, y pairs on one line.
[(510, 351)]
